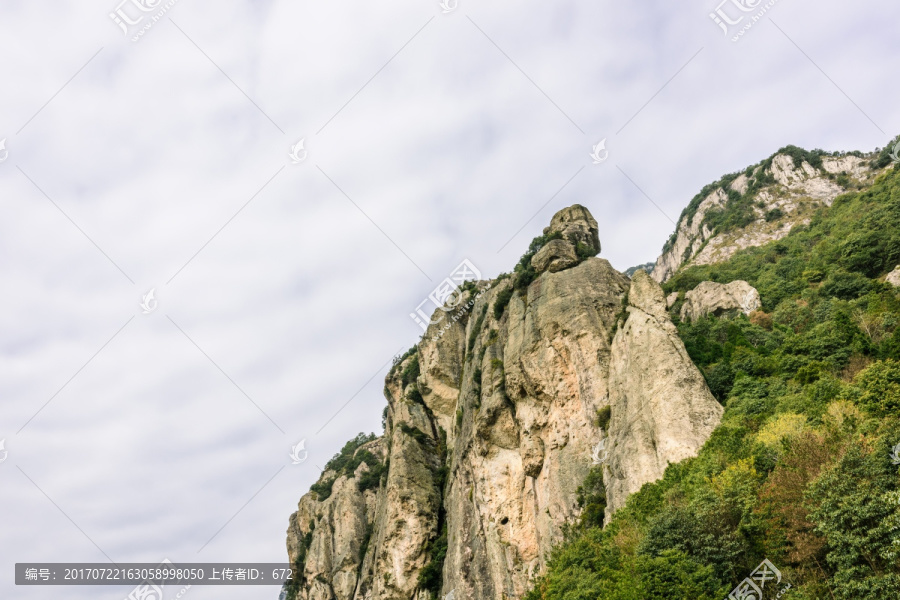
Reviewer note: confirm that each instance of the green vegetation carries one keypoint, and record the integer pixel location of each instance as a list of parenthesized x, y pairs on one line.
[(430, 576), (524, 272), (415, 433), (292, 587), (738, 209), (502, 301), (476, 329), (411, 371), (800, 469), (591, 498), (603, 417), (883, 158), (346, 462)]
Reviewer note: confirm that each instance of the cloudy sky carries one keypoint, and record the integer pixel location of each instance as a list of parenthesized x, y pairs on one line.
[(282, 290)]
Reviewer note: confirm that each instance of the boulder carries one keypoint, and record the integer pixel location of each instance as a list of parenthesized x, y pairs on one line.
[(576, 224), (893, 277), (556, 255), (710, 298), (671, 299)]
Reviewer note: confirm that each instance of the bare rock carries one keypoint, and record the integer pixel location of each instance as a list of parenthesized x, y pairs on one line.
[(662, 410), (576, 224), (893, 277), (716, 298), (556, 255)]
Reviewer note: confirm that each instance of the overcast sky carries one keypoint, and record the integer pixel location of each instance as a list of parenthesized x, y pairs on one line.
[(283, 290)]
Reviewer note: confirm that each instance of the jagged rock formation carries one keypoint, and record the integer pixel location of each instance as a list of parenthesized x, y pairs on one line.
[(662, 410), (893, 277), (710, 298), (775, 196), (491, 424)]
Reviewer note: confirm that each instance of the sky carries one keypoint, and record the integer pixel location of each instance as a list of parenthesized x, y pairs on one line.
[(137, 428)]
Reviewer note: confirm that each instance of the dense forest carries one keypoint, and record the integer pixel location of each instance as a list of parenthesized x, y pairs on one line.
[(804, 469)]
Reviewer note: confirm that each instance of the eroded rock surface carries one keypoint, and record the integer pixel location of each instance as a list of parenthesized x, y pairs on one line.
[(782, 193), (893, 277), (491, 425), (710, 298), (662, 410)]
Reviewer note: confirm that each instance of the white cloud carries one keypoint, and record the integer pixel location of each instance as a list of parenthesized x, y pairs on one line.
[(300, 299)]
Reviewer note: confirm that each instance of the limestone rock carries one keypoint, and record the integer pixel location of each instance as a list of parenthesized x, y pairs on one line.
[(715, 298), (556, 255), (495, 434), (662, 410), (784, 194), (576, 224), (671, 299), (893, 277)]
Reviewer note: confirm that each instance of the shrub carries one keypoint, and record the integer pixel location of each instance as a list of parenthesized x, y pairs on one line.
[(774, 215), (603, 416), (411, 371), (476, 328), (502, 301), (879, 388)]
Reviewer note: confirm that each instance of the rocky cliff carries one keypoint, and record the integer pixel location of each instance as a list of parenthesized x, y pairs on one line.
[(761, 204), (493, 422)]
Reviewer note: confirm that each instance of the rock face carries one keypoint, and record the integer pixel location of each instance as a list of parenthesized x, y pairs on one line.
[(781, 193), (556, 255), (715, 298), (893, 277), (662, 410), (577, 225), (491, 425)]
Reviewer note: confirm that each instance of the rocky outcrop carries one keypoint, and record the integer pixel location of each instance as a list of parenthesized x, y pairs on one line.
[(491, 425), (556, 255), (661, 409), (710, 298), (781, 193), (893, 277), (578, 226)]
